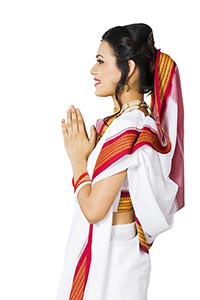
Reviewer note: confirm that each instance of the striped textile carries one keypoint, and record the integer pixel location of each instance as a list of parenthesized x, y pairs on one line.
[(165, 67), (125, 203), (166, 80), (82, 270), (125, 143), (144, 246)]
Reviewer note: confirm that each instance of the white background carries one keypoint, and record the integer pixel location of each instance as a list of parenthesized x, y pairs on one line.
[(46, 51)]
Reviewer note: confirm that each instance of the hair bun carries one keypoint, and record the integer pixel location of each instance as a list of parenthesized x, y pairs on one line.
[(150, 41)]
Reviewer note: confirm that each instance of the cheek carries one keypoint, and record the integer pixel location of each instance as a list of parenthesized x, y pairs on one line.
[(114, 76)]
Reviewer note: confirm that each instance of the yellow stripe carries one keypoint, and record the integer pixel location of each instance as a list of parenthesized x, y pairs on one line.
[(78, 283), (125, 204), (124, 142), (165, 68), (141, 236)]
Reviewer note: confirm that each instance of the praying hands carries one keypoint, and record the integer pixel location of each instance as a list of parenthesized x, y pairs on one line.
[(77, 143)]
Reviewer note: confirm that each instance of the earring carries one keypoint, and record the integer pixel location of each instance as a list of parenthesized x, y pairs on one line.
[(126, 87)]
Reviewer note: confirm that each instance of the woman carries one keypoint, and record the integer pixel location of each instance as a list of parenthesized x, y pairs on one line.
[(128, 175)]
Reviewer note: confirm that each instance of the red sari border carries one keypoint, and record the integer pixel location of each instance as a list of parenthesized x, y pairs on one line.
[(82, 270), (126, 143)]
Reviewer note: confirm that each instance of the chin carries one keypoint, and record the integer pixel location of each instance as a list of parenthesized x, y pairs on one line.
[(99, 94), (102, 94)]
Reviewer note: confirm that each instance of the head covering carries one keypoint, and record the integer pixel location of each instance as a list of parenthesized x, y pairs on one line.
[(168, 112)]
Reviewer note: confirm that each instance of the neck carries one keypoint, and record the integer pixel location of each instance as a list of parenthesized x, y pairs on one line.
[(126, 97)]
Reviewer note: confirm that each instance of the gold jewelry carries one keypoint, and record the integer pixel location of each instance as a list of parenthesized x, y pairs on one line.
[(135, 104), (126, 87), (116, 110)]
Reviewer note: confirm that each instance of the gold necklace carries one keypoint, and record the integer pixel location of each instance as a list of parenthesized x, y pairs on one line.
[(135, 104)]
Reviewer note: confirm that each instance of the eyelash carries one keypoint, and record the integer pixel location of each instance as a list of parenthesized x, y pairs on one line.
[(99, 61)]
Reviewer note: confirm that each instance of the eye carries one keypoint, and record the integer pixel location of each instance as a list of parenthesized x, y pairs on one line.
[(99, 61)]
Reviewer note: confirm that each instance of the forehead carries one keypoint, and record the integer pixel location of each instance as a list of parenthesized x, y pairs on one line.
[(105, 49)]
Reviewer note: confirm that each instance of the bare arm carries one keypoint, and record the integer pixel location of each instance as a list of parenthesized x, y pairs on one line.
[(95, 201)]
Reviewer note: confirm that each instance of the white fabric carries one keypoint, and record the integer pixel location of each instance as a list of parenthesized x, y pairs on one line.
[(152, 194), (128, 267)]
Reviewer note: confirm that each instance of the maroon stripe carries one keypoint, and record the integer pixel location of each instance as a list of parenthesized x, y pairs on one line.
[(125, 194)]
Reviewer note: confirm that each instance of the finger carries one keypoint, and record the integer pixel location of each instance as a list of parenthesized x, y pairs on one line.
[(64, 128), (81, 123), (74, 119), (69, 120), (93, 136)]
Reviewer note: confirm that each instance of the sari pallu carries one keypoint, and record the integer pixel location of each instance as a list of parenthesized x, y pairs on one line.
[(148, 159)]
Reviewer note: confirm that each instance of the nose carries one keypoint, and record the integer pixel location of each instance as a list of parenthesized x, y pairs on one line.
[(93, 71)]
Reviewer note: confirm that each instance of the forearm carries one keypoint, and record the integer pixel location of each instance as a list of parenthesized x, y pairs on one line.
[(86, 204), (78, 168), (83, 195), (93, 208), (96, 200)]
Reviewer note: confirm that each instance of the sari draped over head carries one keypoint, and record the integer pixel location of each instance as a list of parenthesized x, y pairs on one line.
[(167, 88), (151, 150)]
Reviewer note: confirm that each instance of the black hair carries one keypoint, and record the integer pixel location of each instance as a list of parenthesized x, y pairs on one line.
[(133, 42)]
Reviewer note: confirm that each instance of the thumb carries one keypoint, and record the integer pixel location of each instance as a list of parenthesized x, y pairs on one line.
[(93, 135)]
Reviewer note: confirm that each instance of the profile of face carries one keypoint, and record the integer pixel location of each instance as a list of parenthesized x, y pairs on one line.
[(106, 72)]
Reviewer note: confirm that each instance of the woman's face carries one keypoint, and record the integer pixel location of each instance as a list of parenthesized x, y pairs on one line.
[(105, 71)]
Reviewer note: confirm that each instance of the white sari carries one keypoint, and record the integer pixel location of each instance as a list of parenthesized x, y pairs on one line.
[(119, 268)]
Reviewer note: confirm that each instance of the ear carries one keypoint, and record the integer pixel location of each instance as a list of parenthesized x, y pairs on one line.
[(132, 67)]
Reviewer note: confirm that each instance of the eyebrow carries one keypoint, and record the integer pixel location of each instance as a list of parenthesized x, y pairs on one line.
[(99, 55)]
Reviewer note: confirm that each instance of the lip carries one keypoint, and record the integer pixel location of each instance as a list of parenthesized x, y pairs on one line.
[(98, 81)]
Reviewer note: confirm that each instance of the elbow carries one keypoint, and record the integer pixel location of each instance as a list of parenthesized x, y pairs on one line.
[(93, 217), (93, 213), (92, 221)]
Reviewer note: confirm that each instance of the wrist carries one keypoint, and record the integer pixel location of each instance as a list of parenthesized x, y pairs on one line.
[(78, 167), (82, 180)]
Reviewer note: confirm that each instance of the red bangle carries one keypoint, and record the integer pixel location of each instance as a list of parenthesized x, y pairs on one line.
[(78, 181)]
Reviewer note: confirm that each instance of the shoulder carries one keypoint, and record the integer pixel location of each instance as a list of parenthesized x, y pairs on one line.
[(135, 119)]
